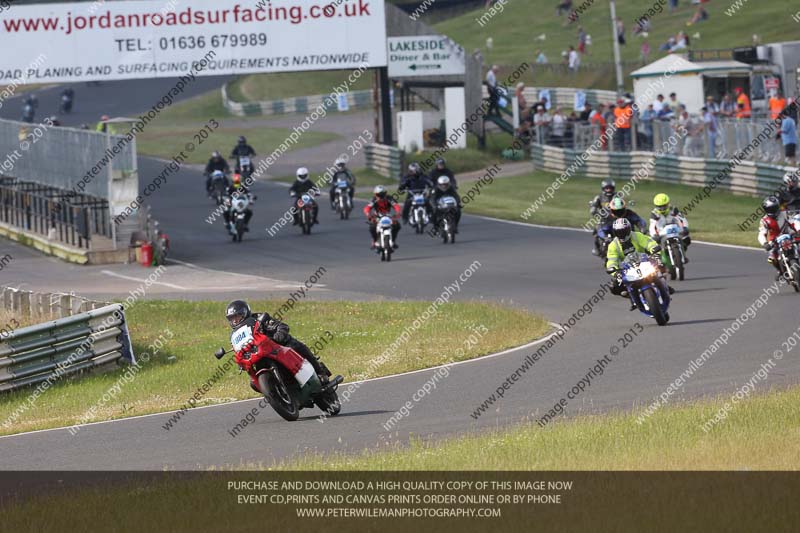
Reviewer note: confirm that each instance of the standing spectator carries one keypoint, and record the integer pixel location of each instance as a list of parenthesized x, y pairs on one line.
[(540, 57), (586, 113), (674, 103), (666, 113), (622, 121), (610, 113), (646, 120), (519, 93), (673, 5), (620, 31), (581, 40), (789, 137), (644, 51), (599, 124), (491, 83), (727, 108), (712, 128), (559, 126), (658, 104), (712, 106), (573, 60), (564, 7), (777, 103), (742, 100), (742, 112), (541, 122)]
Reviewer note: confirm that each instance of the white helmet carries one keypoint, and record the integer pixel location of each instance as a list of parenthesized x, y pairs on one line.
[(340, 162), (443, 182), (380, 191), (622, 229), (302, 173), (790, 178)]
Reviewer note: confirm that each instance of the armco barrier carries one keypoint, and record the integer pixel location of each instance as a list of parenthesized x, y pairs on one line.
[(385, 160), (48, 351), (28, 304), (299, 104), (747, 177)]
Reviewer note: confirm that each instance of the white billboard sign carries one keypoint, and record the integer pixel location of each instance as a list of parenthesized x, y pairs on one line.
[(424, 55), (167, 38)]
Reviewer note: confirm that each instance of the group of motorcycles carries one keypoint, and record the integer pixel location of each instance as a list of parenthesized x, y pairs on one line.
[(643, 275), (787, 249), (31, 104)]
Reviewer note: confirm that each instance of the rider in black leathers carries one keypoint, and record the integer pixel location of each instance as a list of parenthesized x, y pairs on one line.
[(342, 172), (415, 180), (238, 313), (217, 162)]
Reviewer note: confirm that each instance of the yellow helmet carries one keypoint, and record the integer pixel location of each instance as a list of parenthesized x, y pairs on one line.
[(661, 201)]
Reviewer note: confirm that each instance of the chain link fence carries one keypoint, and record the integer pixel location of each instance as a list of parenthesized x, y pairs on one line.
[(689, 138)]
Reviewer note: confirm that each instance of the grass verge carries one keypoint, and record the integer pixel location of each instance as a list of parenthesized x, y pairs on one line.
[(261, 87), (761, 433), (360, 333)]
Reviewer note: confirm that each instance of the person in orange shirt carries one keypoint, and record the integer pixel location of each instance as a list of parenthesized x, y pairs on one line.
[(741, 98), (742, 111), (776, 104), (599, 124), (623, 113)]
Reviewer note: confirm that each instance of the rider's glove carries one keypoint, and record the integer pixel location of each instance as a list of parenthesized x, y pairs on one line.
[(281, 336), (768, 246)]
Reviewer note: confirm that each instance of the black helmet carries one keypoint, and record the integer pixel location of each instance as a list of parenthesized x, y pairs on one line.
[(608, 187), (242, 140), (237, 312), (441, 162), (771, 206)]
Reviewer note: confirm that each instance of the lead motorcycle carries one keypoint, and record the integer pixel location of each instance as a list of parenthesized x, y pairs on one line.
[(237, 208), (284, 377), (385, 240), (648, 291)]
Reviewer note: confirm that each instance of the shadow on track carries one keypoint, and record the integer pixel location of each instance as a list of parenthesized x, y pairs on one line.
[(704, 321)]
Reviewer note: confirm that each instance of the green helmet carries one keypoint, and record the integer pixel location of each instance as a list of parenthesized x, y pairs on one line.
[(617, 206), (661, 201)]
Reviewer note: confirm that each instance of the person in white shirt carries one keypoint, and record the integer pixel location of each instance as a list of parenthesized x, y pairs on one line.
[(559, 125), (494, 96), (573, 59), (658, 104)]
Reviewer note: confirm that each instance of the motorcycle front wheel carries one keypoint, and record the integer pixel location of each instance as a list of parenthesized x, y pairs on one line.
[(329, 403), (281, 394), (655, 306)]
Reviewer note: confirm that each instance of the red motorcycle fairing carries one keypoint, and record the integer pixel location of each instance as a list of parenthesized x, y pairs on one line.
[(251, 345)]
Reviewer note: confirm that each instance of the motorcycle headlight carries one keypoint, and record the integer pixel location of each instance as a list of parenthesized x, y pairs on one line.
[(647, 269)]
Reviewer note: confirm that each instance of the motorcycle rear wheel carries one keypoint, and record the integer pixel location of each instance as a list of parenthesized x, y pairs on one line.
[(285, 403)]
